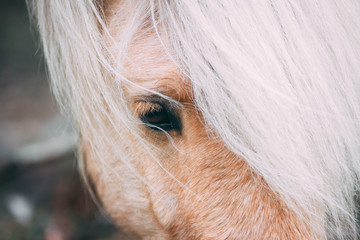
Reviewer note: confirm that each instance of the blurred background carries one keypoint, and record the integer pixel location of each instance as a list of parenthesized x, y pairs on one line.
[(41, 194)]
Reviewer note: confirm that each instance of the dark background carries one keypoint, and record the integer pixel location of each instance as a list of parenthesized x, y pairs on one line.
[(41, 194)]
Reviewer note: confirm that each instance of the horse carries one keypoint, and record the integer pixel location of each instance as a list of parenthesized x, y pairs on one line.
[(218, 119)]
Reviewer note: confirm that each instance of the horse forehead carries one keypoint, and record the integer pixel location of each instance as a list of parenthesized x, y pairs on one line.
[(149, 65)]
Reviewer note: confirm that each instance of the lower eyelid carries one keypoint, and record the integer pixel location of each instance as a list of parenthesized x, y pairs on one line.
[(165, 123)]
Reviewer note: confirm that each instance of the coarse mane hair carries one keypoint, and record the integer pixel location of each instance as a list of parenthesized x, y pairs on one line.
[(277, 81)]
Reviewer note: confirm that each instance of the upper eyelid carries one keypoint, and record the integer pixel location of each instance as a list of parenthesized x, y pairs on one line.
[(167, 102), (144, 107)]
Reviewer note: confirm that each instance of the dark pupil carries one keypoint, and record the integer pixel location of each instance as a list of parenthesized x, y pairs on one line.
[(161, 119)]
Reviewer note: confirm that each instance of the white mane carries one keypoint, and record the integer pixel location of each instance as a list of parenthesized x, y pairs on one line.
[(278, 81)]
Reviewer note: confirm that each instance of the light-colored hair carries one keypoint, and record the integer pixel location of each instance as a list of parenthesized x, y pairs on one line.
[(277, 81)]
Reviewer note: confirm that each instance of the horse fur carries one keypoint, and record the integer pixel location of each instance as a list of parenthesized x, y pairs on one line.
[(275, 83)]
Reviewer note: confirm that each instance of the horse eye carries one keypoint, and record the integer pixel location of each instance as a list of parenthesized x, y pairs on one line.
[(161, 118)]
